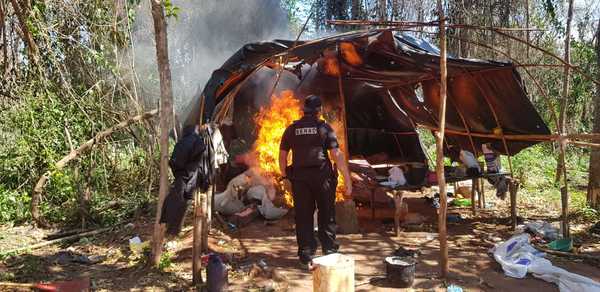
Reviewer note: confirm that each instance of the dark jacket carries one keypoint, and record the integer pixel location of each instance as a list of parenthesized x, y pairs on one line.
[(187, 154)]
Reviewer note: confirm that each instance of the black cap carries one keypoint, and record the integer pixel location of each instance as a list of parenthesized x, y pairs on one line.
[(311, 103)]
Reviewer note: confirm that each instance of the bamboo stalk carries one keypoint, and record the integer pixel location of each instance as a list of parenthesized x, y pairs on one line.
[(439, 147)]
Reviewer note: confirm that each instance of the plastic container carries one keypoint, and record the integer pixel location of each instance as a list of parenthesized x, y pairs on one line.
[(564, 244), (332, 273), (216, 274), (400, 271)]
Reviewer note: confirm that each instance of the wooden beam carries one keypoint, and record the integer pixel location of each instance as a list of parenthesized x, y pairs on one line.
[(413, 24)]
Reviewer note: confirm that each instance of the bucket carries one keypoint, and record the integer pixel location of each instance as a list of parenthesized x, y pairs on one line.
[(332, 273), (400, 271)]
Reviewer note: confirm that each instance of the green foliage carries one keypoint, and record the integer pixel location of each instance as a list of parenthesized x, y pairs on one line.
[(171, 10), (166, 261), (36, 131)]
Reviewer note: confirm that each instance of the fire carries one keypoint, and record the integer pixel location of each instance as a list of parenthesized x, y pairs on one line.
[(350, 54), (331, 66), (271, 122)]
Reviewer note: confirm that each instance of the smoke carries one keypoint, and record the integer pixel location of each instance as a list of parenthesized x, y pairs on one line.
[(203, 36)]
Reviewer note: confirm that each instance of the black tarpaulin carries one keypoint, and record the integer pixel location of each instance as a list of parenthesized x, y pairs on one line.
[(390, 84)]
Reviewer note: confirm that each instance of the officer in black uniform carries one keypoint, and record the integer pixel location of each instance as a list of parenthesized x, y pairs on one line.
[(313, 178)]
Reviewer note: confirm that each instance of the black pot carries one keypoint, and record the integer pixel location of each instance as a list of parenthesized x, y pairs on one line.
[(400, 271)]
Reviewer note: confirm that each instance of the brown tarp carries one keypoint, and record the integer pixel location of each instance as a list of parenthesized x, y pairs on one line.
[(390, 84)]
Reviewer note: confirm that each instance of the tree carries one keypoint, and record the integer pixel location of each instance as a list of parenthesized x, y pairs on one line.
[(593, 195), (166, 110), (562, 118), (562, 128)]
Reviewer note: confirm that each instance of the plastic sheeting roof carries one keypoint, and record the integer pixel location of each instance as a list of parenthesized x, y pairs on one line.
[(390, 84)]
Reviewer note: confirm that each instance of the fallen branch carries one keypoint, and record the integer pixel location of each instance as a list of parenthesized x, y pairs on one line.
[(41, 183), (55, 241), (569, 254)]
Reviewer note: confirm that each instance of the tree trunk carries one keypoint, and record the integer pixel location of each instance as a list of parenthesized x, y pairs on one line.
[(356, 9), (562, 118), (442, 234), (593, 195), (382, 10), (166, 110), (31, 45)]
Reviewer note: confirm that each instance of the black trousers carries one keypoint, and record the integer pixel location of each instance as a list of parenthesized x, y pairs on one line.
[(310, 191), (176, 202)]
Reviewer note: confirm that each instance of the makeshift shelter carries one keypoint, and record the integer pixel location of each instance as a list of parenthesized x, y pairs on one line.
[(384, 84)]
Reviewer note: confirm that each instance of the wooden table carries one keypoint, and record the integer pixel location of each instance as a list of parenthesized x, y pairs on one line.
[(477, 186)]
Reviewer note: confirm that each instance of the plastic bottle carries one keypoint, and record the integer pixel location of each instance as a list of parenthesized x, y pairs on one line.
[(216, 274)]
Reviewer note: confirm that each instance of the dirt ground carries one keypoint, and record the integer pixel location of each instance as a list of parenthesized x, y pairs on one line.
[(119, 270)]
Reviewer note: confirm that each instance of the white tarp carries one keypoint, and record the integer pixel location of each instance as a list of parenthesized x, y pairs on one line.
[(517, 257)]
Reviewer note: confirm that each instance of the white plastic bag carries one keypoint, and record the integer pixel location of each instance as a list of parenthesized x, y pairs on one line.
[(468, 159), (397, 176), (515, 255)]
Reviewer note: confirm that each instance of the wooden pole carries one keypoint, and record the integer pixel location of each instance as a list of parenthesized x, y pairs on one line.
[(414, 24), (464, 121), (206, 208), (197, 219), (481, 191), (473, 207), (197, 241), (513, 188), (166, 110), (440, 147)]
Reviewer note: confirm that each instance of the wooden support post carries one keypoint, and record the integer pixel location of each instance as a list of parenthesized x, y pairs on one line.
[(206, 209), (197, 243), (513, 187), (564, 199), (481, 191), (442, 232), (473, 207)]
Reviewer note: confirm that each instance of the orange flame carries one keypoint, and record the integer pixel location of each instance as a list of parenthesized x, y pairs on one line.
[(271, 122), (331, 66), (350, 54)]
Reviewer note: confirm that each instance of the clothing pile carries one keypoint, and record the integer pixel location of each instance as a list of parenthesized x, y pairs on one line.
[(247, 194)]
